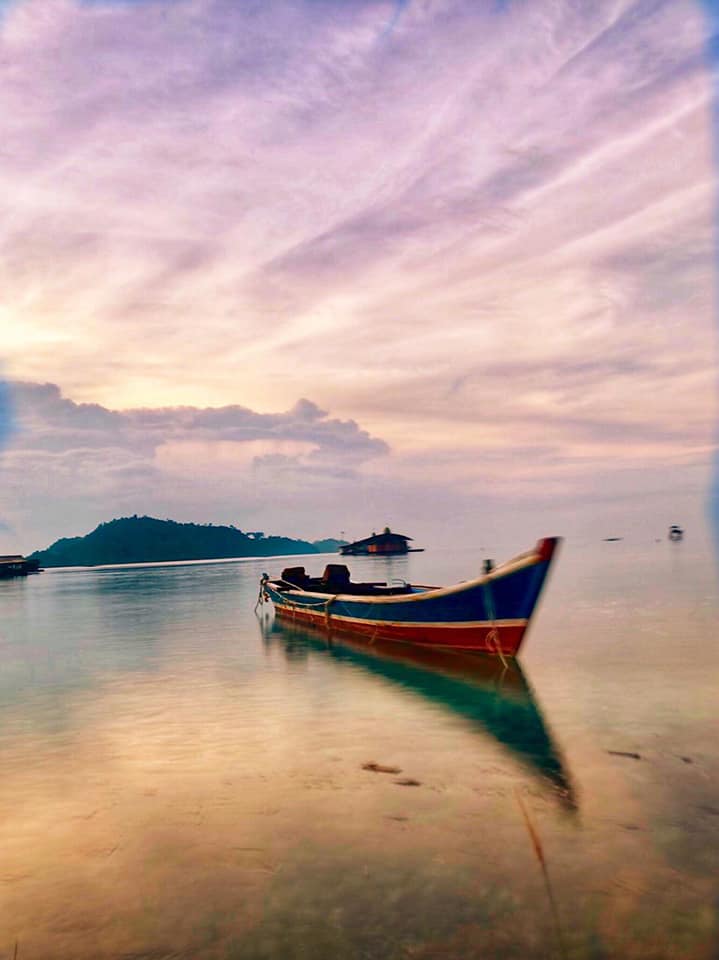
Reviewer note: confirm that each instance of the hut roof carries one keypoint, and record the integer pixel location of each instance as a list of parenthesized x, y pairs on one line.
[(383, 537)]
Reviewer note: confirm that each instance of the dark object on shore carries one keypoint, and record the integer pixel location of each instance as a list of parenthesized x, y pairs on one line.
[(379, 768), (675, 532), (625, 753), (17, 566), (408, 782), (380, 544), (490, 613)]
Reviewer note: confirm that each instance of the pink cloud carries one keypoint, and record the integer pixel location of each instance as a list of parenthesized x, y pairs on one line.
[(481, 232)]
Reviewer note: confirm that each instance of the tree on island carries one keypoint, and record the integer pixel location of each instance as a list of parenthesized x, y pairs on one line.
[(149, 540)]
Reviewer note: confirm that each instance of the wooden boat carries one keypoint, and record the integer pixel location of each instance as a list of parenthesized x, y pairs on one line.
[(490, 613)]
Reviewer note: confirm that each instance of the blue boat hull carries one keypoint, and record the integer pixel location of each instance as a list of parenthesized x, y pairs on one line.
[(489, 614)]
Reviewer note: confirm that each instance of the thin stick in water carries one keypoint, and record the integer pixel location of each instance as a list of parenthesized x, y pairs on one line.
[(539, 853)]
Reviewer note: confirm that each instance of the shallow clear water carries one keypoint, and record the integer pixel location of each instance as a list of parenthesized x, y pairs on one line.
[(182, 778)]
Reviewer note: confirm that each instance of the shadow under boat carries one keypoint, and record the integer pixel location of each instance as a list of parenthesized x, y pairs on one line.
[(492, 695)]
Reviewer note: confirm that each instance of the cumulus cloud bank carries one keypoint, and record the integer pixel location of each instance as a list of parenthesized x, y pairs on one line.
[(49, 421), (483, 231), (217, 462), (300, 472)]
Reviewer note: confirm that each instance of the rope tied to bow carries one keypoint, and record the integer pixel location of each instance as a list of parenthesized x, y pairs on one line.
[(493, 635)]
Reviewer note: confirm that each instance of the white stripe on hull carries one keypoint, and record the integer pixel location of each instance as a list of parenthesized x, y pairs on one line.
[(419, 624)]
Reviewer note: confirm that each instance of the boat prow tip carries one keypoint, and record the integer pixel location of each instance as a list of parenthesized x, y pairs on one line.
[(547, 546)]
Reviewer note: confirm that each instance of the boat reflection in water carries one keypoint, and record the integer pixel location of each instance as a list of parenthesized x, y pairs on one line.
[(493, 695)]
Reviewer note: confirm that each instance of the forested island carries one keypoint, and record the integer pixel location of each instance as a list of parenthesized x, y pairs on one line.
[(146, 540)]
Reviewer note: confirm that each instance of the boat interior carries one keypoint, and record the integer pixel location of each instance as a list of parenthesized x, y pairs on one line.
[(336, 579)]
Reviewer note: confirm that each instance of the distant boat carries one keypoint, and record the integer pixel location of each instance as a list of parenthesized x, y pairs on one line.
[(16, 565), (675, 532), (490, 613), (383, 544)]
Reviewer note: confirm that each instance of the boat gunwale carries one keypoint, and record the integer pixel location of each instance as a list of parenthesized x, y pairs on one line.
[(520, 562)]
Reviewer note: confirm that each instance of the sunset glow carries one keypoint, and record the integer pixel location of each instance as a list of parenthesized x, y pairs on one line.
[(312, 266)]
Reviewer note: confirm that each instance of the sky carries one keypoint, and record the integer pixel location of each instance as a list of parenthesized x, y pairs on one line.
[(318, 266)]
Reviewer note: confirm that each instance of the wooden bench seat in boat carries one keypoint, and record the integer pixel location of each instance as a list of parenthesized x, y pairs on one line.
[(336, 579)]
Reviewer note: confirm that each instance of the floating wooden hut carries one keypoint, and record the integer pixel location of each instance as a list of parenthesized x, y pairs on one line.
[(15, 565), (383, 544)]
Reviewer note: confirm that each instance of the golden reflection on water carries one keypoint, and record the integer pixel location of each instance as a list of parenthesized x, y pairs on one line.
[(208, 799), (166, 819)]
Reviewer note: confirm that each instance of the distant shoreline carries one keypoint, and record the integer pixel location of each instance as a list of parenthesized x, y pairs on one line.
[(131, 541), (183, 563)]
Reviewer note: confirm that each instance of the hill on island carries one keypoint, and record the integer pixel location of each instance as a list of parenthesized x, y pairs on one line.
[(146, 539)]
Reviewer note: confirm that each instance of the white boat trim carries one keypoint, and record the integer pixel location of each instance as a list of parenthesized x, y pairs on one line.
[(520, 562), (409, 625)]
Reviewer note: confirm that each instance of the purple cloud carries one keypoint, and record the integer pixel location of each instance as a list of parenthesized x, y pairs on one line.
[(473, 230)]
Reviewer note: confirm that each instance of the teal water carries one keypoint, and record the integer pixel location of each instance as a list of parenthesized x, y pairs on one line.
[(183, 778)]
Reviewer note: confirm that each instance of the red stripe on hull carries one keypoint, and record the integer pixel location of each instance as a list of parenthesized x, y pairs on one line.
[(502, 639)]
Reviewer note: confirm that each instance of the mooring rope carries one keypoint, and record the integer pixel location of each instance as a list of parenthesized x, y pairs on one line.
[(493, 635), (292, 604), (262, 596)]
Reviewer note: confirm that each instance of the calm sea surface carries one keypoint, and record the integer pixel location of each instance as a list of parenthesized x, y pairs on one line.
[(182, 778)]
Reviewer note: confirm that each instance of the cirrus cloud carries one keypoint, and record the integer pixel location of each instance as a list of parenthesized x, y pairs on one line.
[(483, 231)]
